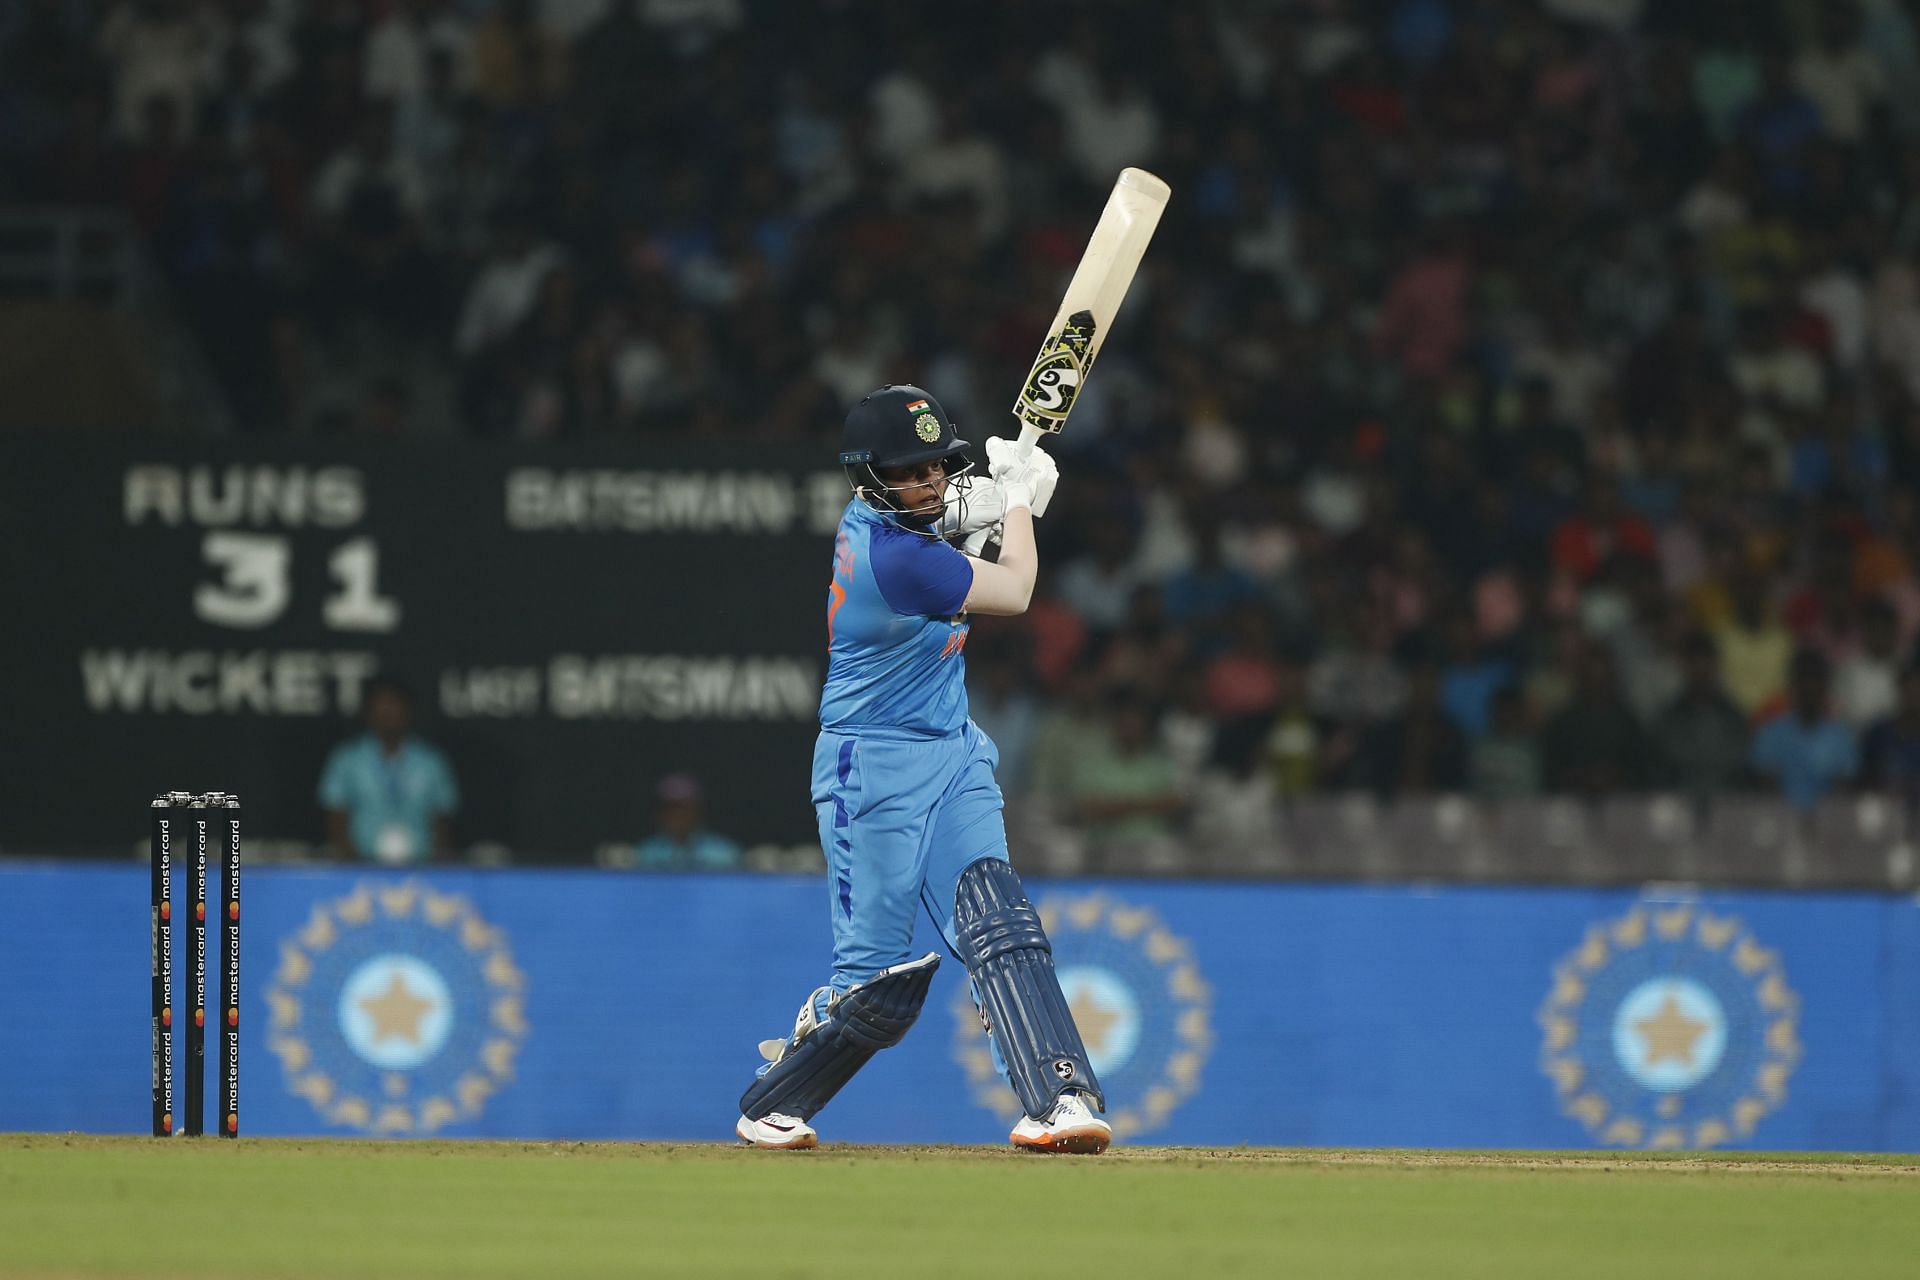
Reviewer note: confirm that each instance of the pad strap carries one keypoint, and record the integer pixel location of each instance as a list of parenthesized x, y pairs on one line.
[(1011, 963), (859, 1022)]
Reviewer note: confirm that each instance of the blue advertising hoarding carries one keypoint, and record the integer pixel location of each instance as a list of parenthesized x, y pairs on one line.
[(594, 1004)]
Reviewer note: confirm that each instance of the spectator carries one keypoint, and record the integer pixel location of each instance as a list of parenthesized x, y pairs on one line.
[(401, 48), (371, 201), (1099, 585), (1066, 725), (1840, 78), (506, 286), (517, 62), (1573, 372), (238, 101), (681, 840), (1204, 593), (1755, 647), (1835, 290), (1600, 531), (1647, 646), (1594, 746), (161, 166), (810, 145), (1772, 371), (1551, 455), (1356, 681), (427, 130), (1470, 676), (1779, 126), (1805, 750), (960, 161), (1891, 753), (1145, 653), (1246, 680), (388, 796), (1423, 321), (1504, 762), (1125, 787), (905, 113), (1291, 742), (999, 702), (1110, 121), (1418, 751), (1187, 730), (1866, 682), (157, 50), (1700, 738), (1835, 453), (1058, 636), (1823, 611)]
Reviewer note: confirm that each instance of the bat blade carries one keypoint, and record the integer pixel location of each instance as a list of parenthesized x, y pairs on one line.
[(1093, 298)]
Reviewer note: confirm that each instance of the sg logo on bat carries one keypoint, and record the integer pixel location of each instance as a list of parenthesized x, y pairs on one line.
[(1047, 397)]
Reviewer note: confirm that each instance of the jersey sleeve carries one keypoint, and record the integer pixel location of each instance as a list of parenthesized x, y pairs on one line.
[(919, 575)]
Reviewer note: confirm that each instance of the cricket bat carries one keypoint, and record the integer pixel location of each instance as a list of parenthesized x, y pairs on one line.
[(1094, 295)]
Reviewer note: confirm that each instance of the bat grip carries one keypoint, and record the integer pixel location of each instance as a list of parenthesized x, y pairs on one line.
[(1029, 437)]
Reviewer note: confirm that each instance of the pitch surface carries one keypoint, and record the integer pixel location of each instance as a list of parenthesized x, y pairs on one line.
[(73, 1206)]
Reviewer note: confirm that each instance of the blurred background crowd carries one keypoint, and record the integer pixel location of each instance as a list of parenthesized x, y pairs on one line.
[(1521, 396)]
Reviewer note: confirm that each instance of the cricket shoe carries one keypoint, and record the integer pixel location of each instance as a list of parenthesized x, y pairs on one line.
[(1071, 1128), (776, 1132)]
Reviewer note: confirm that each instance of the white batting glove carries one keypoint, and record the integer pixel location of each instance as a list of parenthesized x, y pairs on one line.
[(976, 510), (983, 516), (1032, 478), (1016, 493), (973, 503)]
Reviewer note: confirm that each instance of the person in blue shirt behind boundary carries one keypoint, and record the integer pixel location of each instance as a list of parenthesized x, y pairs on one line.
[(388, 795), (904, 790), (681, 840)]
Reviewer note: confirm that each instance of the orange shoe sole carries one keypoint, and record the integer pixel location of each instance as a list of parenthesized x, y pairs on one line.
[(1068, 1142), (803, 1143), (799, 1144)]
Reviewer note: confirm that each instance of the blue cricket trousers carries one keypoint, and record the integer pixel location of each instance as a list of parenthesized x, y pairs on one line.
[(900, 818)]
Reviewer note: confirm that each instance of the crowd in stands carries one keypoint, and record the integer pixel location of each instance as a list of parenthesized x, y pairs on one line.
[(1520, 395)]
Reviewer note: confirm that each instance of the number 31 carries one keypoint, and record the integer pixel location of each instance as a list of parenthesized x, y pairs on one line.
[(256, 586)]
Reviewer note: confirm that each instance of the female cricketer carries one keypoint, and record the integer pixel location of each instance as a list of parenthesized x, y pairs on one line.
[(903, 785)]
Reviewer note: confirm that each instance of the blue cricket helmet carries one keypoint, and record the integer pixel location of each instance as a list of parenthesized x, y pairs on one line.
[(897, 426), (902, 426)]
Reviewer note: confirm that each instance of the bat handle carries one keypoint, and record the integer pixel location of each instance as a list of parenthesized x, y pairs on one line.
[(1029, 437)]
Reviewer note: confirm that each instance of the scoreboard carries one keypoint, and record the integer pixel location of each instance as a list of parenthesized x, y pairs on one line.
[(573, 623)]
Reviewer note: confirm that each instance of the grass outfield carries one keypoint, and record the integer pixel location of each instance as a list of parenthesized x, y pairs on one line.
[(74, 1206)]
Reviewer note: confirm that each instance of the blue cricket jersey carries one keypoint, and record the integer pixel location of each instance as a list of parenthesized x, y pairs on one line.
[(894, 630)]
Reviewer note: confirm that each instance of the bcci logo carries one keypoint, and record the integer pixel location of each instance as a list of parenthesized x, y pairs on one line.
[(1670, 1028), (927, 427), (396, 1010), (1140, 1003)]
